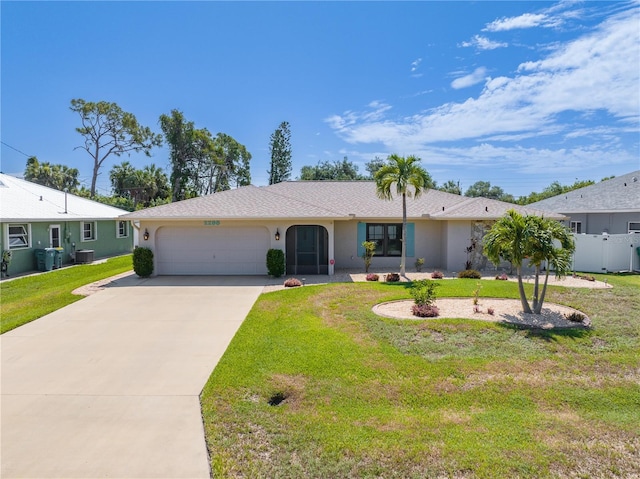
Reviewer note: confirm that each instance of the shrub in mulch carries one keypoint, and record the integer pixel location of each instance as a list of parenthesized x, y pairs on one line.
[(437, 275), (292, 283), (392, 278), (502, 277), (491, 311), (372, 277), (470, 273), (425, 311), (575, 317)]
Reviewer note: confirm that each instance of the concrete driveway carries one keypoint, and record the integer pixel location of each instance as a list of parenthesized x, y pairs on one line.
[(109, 386)]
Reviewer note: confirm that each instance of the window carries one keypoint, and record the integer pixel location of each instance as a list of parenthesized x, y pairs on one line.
[(88, 231), (634, 227), (388, 238), (576, 227), (19, 236), (123, 229)]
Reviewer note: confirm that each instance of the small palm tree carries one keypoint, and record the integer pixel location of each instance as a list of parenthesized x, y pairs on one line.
[(515, 238), (404, 173)]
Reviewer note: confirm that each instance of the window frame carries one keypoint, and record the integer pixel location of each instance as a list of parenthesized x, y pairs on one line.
[(119, 233), (26, 244), (574, 226), (94, 231), (51, 238), (383, 243), (634, 230)]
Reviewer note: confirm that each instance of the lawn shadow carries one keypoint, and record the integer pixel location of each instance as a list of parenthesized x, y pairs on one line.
[(514, 323)]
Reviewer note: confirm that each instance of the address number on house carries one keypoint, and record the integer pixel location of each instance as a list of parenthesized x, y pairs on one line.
[(212, 223)]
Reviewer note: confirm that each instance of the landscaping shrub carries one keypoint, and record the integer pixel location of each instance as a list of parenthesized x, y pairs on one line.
[(437, 275), (418, 264), (372, 277), (275, 262), (424, 292), (491, 311), (575, 317), (425, 311), (502, 277), (142, 261), (369, 251), (470, 273), (292, 283), (392, 278)]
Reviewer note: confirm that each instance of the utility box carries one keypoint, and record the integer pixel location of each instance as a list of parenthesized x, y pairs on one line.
[(84, 256)]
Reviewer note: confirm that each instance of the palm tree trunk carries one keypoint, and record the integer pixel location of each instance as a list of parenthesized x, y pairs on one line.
[(538, 308), (536, 289), (523, 296), (404, 235)]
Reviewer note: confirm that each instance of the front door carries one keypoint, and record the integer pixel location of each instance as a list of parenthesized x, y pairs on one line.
[(307, 250), (54, 236)]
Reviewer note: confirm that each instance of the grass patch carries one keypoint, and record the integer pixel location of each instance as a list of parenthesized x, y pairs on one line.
[(31, 297), (315, 385)]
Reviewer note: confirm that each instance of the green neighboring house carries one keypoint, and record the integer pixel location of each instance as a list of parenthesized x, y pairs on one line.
[(34, 217)]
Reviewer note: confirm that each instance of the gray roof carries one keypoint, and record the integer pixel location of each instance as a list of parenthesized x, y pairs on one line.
[(22, 200), (617, 195), (328, 200)]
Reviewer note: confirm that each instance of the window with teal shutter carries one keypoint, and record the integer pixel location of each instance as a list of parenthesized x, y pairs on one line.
[(411, 244), (362, 237)]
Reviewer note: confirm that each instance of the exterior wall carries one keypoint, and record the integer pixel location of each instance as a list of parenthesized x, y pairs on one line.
[(602, 253), (106, 243), (598, 223), (458, 238), (272, 226)]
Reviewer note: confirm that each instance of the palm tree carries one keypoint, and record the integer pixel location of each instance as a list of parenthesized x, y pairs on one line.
[(515, 238), (404, 173)]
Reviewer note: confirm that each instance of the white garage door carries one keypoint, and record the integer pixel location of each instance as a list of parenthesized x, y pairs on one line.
[(212, 250)]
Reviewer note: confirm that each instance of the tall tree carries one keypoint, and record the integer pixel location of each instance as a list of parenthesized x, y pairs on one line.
[(373, 166), (515, 237), (339, 170), (485, 190), (450, 187), (108, 130), (554, 189), (280, 148), (404, 173), (143, 187), (60, 177)]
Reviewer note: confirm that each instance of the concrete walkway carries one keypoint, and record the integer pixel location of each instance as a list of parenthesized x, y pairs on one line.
[(109, 386)]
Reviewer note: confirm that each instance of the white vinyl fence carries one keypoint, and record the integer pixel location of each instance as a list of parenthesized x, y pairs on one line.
[(606, 253)]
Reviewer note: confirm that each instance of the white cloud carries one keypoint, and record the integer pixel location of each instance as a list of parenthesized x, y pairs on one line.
[(483, 43), (415, 64), (599, 71), (526, 20), (468, 80)]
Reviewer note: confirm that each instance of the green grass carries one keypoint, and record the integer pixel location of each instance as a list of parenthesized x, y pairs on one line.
[(31, 297), (374, 397)]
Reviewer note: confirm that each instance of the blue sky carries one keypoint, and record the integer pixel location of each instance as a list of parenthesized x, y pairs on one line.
[(520, 94)]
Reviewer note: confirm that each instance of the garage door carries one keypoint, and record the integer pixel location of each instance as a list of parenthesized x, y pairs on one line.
[(212, 250)]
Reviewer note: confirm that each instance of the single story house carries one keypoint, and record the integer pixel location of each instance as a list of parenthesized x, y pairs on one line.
[(320, 225), (34, 217), (611, 206)]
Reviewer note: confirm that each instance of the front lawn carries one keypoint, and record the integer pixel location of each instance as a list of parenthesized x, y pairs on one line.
[(315, 385), (31, 297)]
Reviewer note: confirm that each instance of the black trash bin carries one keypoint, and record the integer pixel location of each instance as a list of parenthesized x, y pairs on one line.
[(45, 258)]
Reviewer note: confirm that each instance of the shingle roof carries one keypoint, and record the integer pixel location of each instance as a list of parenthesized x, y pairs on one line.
[(22, 200), (328, 200), (617, 195)]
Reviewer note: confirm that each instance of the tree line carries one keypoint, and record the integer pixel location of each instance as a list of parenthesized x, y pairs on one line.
[(202, 163)]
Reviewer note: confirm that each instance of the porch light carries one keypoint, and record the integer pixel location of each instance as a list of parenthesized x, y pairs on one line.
[(277, 235), (146, 234)]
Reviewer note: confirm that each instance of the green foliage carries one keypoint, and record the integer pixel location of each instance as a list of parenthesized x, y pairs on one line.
[(275, 262), (108, 130), (469, 274), (325, 170), (369, 251), (59, 177), (373, 166), (31, 297), (554, 189), (419, 263), (142, 188), (280, 149), (423, 292), (485, 190), (200, 163), (143, 261), (450, 187)]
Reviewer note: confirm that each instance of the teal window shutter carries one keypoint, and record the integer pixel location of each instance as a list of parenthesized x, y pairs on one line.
[(411, 244), (362, 237)]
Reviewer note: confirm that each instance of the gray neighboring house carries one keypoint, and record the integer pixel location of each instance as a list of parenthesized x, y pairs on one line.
[(35, 217), (611, 206), (320, 225)]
